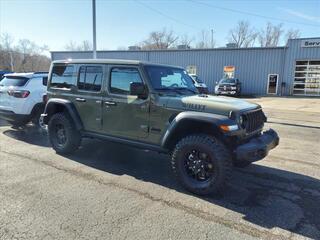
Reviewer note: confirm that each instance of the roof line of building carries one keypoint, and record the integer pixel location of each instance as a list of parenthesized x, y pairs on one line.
[(178, 50), (309, 38)]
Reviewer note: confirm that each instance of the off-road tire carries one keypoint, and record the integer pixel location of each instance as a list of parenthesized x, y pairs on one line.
[(241, 164), (221, 158), (73, 136)]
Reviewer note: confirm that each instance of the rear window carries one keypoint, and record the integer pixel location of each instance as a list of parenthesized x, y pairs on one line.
[(14, 81), (62, 76)]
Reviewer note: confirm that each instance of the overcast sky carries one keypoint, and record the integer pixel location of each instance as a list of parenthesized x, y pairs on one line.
[(126, 22)]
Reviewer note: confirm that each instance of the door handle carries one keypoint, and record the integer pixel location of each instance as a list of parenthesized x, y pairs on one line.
[(80, 99), (110, 103)]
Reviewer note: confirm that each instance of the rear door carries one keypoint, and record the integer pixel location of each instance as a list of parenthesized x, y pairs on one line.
[(89, 95), (125, 115)]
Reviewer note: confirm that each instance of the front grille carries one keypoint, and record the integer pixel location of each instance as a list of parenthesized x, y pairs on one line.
[(225, 88), (253, 120)]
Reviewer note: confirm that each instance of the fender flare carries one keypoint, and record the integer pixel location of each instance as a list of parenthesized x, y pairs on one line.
[(68, 105), (214, 119)]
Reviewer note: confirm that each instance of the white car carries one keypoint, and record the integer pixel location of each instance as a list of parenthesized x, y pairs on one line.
[(21, 97)]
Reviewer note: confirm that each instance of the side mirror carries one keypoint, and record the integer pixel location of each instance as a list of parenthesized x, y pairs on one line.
[(216, 83), (137, 89), (45, 81)]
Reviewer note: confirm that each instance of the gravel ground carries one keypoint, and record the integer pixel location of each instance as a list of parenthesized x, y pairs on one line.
[(110, 191)]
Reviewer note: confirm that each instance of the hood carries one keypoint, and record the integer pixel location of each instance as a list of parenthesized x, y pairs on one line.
[(210, 104), (227, 84)]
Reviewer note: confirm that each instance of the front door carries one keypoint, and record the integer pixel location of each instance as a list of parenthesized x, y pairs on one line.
[(272, 83), (88, 96), (125, 115)]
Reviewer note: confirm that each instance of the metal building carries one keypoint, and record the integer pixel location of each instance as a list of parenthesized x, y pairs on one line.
[(293, 69)]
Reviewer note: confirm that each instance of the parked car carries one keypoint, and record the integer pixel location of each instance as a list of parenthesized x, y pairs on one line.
[(228, 86), (21, 97), (199, 84), (155, 107)]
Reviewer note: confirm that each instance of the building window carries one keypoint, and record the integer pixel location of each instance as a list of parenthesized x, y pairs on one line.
[(192, 69), (307, 78)]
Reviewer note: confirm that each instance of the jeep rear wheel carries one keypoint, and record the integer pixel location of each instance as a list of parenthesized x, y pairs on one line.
[(202, 164), (63, 135)]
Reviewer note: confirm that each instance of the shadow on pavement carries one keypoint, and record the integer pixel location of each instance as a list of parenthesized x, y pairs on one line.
[(29, 134), (3, 123), (268, 197)]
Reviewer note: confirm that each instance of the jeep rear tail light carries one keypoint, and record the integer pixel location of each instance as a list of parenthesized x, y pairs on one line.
[(19, 93)]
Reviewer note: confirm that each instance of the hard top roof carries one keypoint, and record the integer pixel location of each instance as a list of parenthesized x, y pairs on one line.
[(111, 61)]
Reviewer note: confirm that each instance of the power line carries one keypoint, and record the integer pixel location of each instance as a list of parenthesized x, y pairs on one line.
[(165, 15), (252, 14)]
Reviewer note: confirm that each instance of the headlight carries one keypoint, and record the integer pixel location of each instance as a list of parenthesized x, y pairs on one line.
[(233, 88)]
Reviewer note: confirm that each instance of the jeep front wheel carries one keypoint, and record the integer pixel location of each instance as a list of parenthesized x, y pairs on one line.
[(63, 135), (202, 164)]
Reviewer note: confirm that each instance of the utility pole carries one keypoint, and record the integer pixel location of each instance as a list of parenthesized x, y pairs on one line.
[(94, 29), (211, 38)]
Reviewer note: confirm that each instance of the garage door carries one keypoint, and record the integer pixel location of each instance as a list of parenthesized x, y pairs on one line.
[(307, 78)]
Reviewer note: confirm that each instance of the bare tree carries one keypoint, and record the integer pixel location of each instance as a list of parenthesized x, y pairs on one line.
[(23, 56), (6, 41), (82, 46), (206, 40), (160, 40), (6, 50), (186, 40), (243, 35), (271, 35), (292, 34), (85, 45)]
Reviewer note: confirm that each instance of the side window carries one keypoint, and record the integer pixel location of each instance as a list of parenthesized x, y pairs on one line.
[(62, 76), (121, 77), (90, 78)]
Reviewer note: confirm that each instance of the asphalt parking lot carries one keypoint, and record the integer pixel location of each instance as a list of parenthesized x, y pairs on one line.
[(110, 191)]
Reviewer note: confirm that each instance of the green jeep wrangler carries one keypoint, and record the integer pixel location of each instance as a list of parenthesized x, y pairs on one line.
[(155, 107)]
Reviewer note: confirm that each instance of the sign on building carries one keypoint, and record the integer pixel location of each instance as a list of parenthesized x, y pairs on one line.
[(310, 43), (228, 71)]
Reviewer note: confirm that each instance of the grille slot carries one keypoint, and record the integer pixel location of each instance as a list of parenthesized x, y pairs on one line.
[(254, 120)]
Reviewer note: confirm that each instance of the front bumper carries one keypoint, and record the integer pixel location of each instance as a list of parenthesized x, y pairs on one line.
[(13, 117), (227, 92), (257, 148)]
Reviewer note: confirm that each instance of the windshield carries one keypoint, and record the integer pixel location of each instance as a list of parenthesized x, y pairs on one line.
[(229, 80), (169, 78), (13, 81)]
